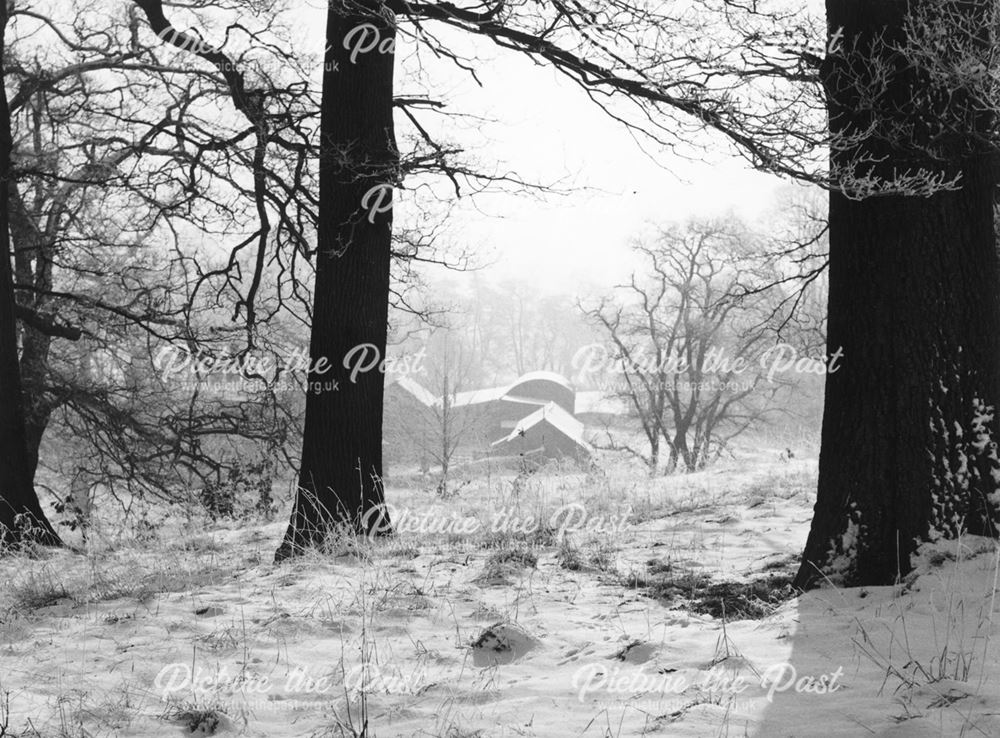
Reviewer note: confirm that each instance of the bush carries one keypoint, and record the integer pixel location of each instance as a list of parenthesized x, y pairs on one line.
[(245, 492)]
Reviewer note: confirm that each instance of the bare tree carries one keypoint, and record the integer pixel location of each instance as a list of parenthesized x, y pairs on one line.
[(359, 170), (450, 371), (892, 108), (909, 176), (689, 347), (116, 178), (21, 516)]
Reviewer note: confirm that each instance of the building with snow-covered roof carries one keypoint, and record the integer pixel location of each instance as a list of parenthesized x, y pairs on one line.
[(408, 419), (543, 387), (497, 410), (420, 393), (533, 388), (549, 432), (533, 414)]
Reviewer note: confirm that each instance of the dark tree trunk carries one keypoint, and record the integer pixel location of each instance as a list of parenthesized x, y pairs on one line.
[(21, 516), (340, 481), (908, 448), (35, 427), (32, 268), (38, 405)]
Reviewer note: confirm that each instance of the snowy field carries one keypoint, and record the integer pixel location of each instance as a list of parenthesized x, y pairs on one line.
[(561, 604)]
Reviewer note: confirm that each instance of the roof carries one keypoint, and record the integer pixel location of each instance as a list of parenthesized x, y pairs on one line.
[(493, 394), (542, 376), (476, 397), (525, 400), (424, 395), (555, 416)]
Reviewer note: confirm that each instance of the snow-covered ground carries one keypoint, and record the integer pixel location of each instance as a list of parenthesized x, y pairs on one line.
[(557, 605)]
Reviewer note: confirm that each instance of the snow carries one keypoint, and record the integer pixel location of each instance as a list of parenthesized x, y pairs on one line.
[(421, 393), (843, 553), (476, 397), (508, 392), (554, 415), (148, 638), (542, 376)]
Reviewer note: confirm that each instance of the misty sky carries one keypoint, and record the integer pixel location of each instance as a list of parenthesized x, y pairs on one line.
[(546, 130)]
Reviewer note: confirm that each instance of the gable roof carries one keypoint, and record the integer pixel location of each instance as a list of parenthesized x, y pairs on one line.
[(555, 416), (423, 395)]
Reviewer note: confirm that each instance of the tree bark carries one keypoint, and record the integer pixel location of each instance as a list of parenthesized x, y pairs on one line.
[(908, 449), (672, 460), (684, 453), (654, 455), (340, 481), (29, 243), (21, 516)]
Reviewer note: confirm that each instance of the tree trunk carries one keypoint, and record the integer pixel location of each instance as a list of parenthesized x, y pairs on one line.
[(680, 443), (908, 451), (38, 406), (446, 440), (32, 268), (36, 424), (654, 454), (672, 460), (340, 481), (21, 516)]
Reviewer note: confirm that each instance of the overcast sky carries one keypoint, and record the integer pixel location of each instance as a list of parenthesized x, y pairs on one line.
[(551, 130)]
